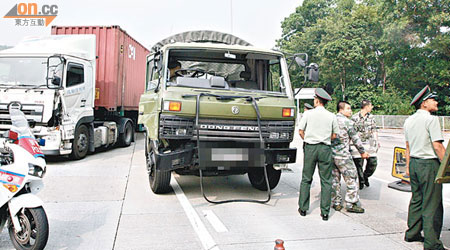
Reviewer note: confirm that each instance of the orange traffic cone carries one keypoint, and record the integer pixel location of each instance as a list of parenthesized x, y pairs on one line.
[(279, 245)]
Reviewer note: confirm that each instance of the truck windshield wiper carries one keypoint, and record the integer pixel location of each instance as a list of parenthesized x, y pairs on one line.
[(19, 85), (38, 86)]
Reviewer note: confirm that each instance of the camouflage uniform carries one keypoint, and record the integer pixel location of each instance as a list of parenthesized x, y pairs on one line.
[(344, 163), (366, 128)]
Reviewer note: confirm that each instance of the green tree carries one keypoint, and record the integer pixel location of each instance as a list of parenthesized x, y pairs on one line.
[(386, 50)]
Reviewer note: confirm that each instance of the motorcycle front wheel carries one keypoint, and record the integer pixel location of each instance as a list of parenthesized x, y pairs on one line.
[(34, 233)]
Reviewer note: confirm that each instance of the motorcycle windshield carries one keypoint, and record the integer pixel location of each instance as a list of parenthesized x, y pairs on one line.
[(20, 124), (25, 137)]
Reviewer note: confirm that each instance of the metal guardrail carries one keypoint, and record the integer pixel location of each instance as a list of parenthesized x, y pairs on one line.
[(397, 121)]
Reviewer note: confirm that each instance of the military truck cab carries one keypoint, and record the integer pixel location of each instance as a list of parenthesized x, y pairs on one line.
[(216, 104)]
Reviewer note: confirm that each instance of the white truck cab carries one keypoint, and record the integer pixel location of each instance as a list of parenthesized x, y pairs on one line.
[(52, 80)]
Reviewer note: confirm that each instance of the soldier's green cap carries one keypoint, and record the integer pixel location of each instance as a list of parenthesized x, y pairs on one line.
[(423, 95), (308, 106), (322, 94)]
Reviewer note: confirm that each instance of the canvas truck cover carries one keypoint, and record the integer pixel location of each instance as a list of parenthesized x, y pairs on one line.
[(201, 36), (120, 69)]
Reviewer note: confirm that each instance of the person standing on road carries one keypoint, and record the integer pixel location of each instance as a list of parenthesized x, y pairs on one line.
[(317, 127), (367, 131), (424, 151), (343, 161)]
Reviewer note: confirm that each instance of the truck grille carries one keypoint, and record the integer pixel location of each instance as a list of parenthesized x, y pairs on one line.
[(170, 127), (226, 130), (33, 112)]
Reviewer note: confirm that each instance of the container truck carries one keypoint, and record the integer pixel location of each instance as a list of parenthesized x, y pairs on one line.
[(79, 87)]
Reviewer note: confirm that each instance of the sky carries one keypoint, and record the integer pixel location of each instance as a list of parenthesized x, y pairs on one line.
[(256, 21)]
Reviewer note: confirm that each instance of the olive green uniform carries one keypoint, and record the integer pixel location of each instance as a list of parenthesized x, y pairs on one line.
[(425, 209), (318, 125)]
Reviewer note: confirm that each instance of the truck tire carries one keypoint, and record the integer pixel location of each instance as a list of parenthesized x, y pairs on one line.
[(258, 181), (159, 180), (127, 136), (80, 144)]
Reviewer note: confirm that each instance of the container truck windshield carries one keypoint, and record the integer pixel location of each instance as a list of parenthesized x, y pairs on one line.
[(16, 71), (233, 71)]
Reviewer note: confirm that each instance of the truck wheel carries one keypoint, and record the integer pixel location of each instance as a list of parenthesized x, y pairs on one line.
[(80, 144), (126, 137), (34, 234), (159, 180), (258, 181)]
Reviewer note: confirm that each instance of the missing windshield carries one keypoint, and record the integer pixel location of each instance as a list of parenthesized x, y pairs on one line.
[(207, 69)]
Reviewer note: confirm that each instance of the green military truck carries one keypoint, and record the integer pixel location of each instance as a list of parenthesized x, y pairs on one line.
[(215, 105)]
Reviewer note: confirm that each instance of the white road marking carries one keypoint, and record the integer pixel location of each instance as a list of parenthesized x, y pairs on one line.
[(205, 238), (215, 221)]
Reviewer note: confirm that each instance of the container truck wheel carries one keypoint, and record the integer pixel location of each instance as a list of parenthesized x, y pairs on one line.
[(80, 144), (159, 180), (258, 181), (126, 137)]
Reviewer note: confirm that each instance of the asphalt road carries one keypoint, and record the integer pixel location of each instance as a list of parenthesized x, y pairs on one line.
[(104, 202)]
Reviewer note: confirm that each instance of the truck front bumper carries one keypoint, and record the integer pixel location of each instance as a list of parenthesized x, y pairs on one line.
[(174, 160), (183, 158), (53, 144)]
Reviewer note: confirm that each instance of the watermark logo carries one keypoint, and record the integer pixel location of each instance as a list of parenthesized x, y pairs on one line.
[(29, 14)]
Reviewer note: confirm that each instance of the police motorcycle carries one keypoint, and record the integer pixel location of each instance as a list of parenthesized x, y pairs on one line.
[(22, 167)]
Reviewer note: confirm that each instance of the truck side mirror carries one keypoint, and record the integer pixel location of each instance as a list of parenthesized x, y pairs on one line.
[(158, 62), (55, 69), (300, 62), (313, 72)]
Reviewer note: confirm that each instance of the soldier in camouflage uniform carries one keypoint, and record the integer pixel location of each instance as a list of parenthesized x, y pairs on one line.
[(367, 130), (343, 161)]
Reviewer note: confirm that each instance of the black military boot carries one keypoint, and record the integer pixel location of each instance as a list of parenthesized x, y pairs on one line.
[(302, 212), (366, 181), (361, 184)]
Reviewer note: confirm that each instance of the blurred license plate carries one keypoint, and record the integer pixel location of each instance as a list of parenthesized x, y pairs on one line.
[(229, 154)]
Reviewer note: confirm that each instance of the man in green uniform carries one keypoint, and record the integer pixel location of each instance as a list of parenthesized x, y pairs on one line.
[(317, 128), (367, 131), (343, 161), (424, 151)]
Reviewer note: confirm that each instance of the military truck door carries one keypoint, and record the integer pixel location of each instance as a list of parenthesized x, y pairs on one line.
[(148, 105)]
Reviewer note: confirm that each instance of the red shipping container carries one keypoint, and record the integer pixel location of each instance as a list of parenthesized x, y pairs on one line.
[(121, 63)]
